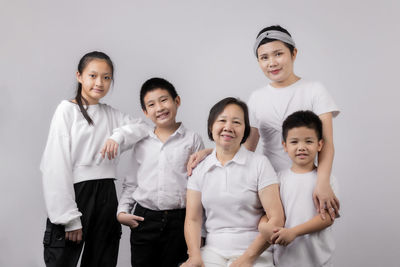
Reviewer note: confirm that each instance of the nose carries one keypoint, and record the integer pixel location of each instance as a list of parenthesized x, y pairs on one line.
[(228, 126), (301, 147), (272, 61), (99, 81)]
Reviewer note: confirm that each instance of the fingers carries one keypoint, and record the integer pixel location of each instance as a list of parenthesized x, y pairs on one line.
[(189, 167), (316, 202), (137, 218), (110, 149), (74, 236)]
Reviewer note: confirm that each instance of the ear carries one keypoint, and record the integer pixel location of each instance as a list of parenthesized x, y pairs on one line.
[(294, 54), (284, 146), (78, 77), (145, 112), (320, 144), (177, 101)]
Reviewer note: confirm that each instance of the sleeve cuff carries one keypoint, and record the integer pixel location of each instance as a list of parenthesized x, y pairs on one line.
[(117, 137), (75, 224)]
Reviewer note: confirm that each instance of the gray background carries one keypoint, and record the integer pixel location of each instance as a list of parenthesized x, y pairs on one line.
[(205, 49)]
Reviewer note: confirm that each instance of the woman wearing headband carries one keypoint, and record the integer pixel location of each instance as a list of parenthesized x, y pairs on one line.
[(286, 93), (269, 106)]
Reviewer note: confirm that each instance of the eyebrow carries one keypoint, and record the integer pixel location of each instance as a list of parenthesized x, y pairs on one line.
[(274, 51)]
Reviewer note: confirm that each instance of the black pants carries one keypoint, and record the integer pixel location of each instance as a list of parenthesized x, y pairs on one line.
[(97, 200), (159, 239)]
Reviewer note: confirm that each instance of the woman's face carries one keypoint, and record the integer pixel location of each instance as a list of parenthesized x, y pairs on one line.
[(228, 128), (276, 62)]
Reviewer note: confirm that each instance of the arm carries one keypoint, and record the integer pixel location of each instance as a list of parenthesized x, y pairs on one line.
[(193, 223), (125, 137), (252, 140), (57, 178), (284, 236), (271, 202), (323, 196)]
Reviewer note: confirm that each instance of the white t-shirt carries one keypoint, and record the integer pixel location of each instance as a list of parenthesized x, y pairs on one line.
[(160, 178), (71, 156), (269, 107), (229, 195), (314, 249)]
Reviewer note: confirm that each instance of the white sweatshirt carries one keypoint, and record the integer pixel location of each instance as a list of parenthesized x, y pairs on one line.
[(72, 155)]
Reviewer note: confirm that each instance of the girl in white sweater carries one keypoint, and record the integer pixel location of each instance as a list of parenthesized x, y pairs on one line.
[(78, 185)]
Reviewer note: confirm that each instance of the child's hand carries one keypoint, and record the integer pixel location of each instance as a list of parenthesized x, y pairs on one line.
[(196, 158), (325, 200), (193, 262), (110, 148), (74, 236), (283, 236), (129, 219)]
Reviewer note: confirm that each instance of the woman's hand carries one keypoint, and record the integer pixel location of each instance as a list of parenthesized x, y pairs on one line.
[(325, 200), (193, 262), (110, 148), (196, 158), (129, 219), (74, 236), (242, 261)]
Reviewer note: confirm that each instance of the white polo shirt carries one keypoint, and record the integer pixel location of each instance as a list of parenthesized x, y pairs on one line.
[(159, 181), (229, 195), (269, 107)]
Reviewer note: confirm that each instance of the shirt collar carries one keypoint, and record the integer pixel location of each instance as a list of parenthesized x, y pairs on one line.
[(239, 158), (181, 131)]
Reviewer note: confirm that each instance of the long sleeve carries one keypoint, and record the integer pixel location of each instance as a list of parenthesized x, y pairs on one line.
[(56, 167), (131, 131), (126, 201)]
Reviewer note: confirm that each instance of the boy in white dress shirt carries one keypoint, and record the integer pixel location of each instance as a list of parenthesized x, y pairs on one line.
[(306, 239), (156, 192)]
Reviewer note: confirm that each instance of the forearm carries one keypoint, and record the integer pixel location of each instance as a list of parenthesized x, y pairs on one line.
[(314, 225), (252, 139), (257, 247), (325, 160), (193, 236)]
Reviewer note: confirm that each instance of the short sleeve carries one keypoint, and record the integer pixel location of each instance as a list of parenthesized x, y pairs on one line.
[(267, 175), (197, 143), (254, 122), (323, 101), (194, 181)]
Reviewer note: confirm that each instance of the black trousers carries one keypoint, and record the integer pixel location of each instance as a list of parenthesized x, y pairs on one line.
[(159, 239), (97, 200)]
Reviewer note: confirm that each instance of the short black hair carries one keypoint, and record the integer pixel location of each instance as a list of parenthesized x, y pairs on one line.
[(302, 118), (268, 40), (219, 107), (153, 84)]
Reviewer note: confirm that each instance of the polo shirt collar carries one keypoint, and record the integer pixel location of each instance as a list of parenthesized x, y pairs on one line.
[(181, 131), (239, 158)]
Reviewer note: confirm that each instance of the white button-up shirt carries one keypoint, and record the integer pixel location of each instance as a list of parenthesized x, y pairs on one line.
[(229, 195), (160, 179)]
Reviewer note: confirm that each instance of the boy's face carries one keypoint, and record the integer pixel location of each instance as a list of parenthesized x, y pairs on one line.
[(161, 108), (302, 146)]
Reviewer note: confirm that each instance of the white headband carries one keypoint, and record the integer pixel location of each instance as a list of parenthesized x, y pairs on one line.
[(278, 35)]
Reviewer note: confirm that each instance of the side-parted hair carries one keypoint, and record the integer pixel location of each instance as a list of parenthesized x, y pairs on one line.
[(268, 40), (85, 60), (219, 107), (153, 84), (302, 118)]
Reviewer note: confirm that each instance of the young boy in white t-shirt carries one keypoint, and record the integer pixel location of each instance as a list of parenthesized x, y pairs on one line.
[(153, 199), (306, 239)]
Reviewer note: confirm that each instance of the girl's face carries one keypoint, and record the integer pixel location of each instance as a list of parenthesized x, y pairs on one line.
[(276, 62), (228, 128), (96, 79)]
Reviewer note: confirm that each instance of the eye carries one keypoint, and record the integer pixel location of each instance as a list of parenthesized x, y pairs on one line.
[(309, 142), (293, 142), (279, 54), (92, 76), (221, 120), (164, 99), (263, 57), (107, 77), (237, 122), (150, 105)]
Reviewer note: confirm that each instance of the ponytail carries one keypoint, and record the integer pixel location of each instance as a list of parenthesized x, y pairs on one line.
[(79, 99)]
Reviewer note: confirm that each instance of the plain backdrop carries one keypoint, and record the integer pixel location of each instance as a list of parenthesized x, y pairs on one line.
[(205, 49)]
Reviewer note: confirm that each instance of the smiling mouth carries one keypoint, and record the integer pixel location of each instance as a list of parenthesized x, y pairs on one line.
[(227, 137), (163, 115), (275, 71), (301, 155)]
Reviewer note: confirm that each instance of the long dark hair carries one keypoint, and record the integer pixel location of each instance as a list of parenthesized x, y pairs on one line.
[(85, 60)]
